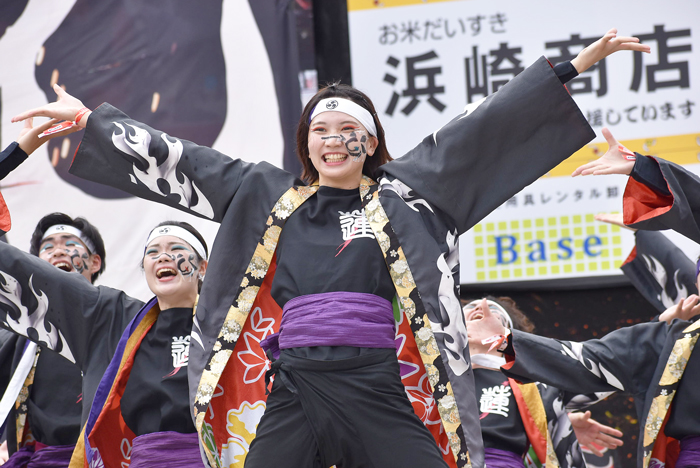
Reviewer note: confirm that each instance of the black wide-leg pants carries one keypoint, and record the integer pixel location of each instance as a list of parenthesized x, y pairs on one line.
[(351, 412)]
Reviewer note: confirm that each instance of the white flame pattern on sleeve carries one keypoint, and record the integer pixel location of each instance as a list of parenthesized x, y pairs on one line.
[(43, 331), (136, 144)]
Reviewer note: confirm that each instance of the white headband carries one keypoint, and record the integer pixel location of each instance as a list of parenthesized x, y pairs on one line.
[(497, 306), (74, 231), (346, 106), (177, 231)]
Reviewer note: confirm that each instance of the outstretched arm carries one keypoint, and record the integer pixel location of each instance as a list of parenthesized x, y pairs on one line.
[(145, 162), (61, 311), (493, 149)]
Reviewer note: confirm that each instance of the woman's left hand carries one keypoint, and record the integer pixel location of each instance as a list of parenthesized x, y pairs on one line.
[(606, 45), (593, 434), (616, 160)]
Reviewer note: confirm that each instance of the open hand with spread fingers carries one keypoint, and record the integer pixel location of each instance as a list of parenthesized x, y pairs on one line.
[(616, 160), (66, 108), (606, 45)]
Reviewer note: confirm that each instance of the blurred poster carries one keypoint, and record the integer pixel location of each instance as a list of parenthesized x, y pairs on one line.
[(230, 75)]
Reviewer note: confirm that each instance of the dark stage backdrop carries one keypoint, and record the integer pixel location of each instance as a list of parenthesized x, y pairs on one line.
[(582, 315)]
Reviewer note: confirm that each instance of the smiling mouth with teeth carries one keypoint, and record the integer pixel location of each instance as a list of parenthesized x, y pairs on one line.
[(64, 266), (332, 158), (165, 272)]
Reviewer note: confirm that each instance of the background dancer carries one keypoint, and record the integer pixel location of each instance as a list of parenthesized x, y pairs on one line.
[(513, 413)]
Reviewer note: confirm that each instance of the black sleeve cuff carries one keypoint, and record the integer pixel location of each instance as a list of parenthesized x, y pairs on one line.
[(647, 171), (565, 71), (10, 158)]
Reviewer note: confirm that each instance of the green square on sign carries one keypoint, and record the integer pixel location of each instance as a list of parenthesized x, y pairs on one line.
[(518, 272), (478, 228), (479, 252), (539, 222), (551, 221), (481, 276), (605, 265), (489, 226), (566, 232), (480, 264), (555, 269), (617, 252), (527, 223), (502, 226), (515, 224), (564, 220), (578, 231), (478, 240), (577, 219), (580, 267), (589, 218), (603, 229), (542, 270), (493, 275), (527, 235), (553, 233), (567, 268), (530, 271), (505, 274), (491, 251), (592, 266)]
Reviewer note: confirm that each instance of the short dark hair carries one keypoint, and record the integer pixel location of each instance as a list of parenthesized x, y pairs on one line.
[(191, 229), (381, 154), (520, 320), (85, 227)]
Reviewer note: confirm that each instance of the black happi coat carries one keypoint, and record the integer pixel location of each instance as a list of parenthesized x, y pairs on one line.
[(652, 361), (419, 206), (659, 270), (64, 313)]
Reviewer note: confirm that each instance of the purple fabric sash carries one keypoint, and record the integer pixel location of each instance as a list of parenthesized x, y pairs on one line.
[(495, 458), (690, 452), (341, 318), (57, 456), (166, 449)]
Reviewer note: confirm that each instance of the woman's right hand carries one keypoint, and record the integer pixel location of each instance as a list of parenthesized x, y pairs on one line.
[(65, 108)]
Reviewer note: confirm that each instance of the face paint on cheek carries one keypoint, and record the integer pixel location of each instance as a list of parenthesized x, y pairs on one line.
[(187, 266), (78, 261), (356, 150)]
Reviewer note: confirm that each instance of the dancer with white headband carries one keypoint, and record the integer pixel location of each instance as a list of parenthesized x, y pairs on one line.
[(353, 266), (513, 415), (43, 420), (133, 356)]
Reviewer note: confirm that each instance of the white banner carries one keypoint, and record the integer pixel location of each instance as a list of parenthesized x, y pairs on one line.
[(421, 62)]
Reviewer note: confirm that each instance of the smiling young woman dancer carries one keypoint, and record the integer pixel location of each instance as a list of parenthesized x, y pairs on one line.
[(335, 255)]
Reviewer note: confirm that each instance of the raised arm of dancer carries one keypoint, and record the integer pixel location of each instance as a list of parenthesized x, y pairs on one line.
[(595, 366), (58, 310), (659, 194), (496, 146), (150, 164)]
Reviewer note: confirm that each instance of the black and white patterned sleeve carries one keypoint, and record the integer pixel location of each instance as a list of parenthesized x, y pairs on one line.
[(150, 164), (59, 310)]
